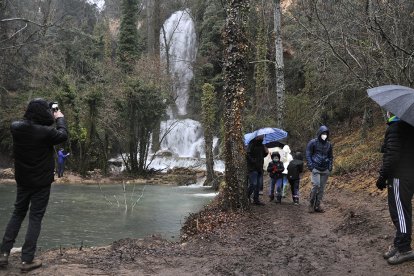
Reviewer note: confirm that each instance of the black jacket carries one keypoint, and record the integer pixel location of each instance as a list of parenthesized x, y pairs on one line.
[(319, 153), (256, 152), (398, 156), (295, 168), (33, 151), (275, 169)]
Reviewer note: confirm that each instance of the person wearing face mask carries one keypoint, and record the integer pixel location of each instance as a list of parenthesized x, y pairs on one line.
[(319, 159), (397, 175), (275, 170)]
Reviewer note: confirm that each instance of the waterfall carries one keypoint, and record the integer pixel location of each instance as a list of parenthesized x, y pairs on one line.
[(183, 140), (179, 38), (183, 137)]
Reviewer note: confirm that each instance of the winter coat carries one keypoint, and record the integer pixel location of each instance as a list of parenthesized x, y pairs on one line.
[(62, 157), (33, 141), (275, 169), (319, 153), (398, 156), (295, 168), (256, 152), (286, 158)]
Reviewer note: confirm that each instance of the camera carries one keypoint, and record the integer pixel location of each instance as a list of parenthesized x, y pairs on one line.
[(54, 106)]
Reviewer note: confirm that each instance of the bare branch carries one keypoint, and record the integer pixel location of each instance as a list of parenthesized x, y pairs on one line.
[(16, 33), (24, 20)]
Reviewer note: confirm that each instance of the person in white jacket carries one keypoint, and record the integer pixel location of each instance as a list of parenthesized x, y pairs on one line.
[(286, 157)]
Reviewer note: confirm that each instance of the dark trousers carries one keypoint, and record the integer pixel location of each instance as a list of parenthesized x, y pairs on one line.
[(37, 199), (61, 168), (255, 180), (400, 194), (294, 187)]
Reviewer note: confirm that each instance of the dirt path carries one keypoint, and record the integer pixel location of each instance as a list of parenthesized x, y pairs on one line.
[(271, 240)]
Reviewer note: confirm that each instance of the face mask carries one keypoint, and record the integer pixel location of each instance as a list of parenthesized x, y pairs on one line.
[(324, 137), (275, 159)]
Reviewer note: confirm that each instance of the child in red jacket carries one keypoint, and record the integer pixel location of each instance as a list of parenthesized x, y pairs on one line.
[(275, 169)]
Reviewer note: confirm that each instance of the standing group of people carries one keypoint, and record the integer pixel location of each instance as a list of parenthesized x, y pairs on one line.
[(41, 128), (319, 158)]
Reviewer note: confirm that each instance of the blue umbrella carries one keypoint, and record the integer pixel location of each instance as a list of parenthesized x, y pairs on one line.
[(270, 135)]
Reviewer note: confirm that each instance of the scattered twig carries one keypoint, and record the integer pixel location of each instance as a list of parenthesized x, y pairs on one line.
[(142, 194)]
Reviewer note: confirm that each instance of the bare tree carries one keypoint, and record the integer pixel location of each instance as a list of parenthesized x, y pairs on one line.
[(280, 77)]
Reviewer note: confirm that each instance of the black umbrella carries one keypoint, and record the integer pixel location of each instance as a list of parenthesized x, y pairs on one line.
[(395, 98)]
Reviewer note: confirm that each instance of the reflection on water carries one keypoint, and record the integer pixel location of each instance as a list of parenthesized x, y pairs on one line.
[(78, 213)]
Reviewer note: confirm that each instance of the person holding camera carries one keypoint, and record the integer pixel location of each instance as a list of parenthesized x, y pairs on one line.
[(320, 161), (33, 139)]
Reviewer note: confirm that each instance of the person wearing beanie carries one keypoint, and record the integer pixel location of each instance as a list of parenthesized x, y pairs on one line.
[(295, 168), (275, 170)]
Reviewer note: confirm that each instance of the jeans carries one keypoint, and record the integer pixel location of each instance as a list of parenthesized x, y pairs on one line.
[(278, 182), (285, 184), (318, 179), (61, 168), (255, 180), (38, 199)]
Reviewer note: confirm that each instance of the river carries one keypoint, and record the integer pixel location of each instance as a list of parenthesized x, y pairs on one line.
[(88, 215)]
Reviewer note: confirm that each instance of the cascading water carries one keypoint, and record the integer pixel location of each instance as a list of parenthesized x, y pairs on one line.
[(185, 137), (182, 144), (178, 50), (178, 38)]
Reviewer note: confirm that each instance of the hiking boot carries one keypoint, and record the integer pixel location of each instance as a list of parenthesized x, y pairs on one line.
[(295, 201), (259, 203), (401, 257), (4, 259), (392, 250), (271, 197), (319, 209), (28, 266), (310, 208)]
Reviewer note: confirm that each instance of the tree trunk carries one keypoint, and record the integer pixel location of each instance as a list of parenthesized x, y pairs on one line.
[(236, 46), (280, 78), (155, 146), (150, 27), (157, 25), (209, 158)]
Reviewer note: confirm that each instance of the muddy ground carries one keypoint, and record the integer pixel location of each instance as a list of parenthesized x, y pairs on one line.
[(348, 239)]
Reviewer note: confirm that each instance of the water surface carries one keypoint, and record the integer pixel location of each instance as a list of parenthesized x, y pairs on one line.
[(87, 214)]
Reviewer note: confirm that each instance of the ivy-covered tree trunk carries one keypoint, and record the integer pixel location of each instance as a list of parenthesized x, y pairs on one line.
[(280, 77), (132, 139), (209, 109), (236, 45)]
